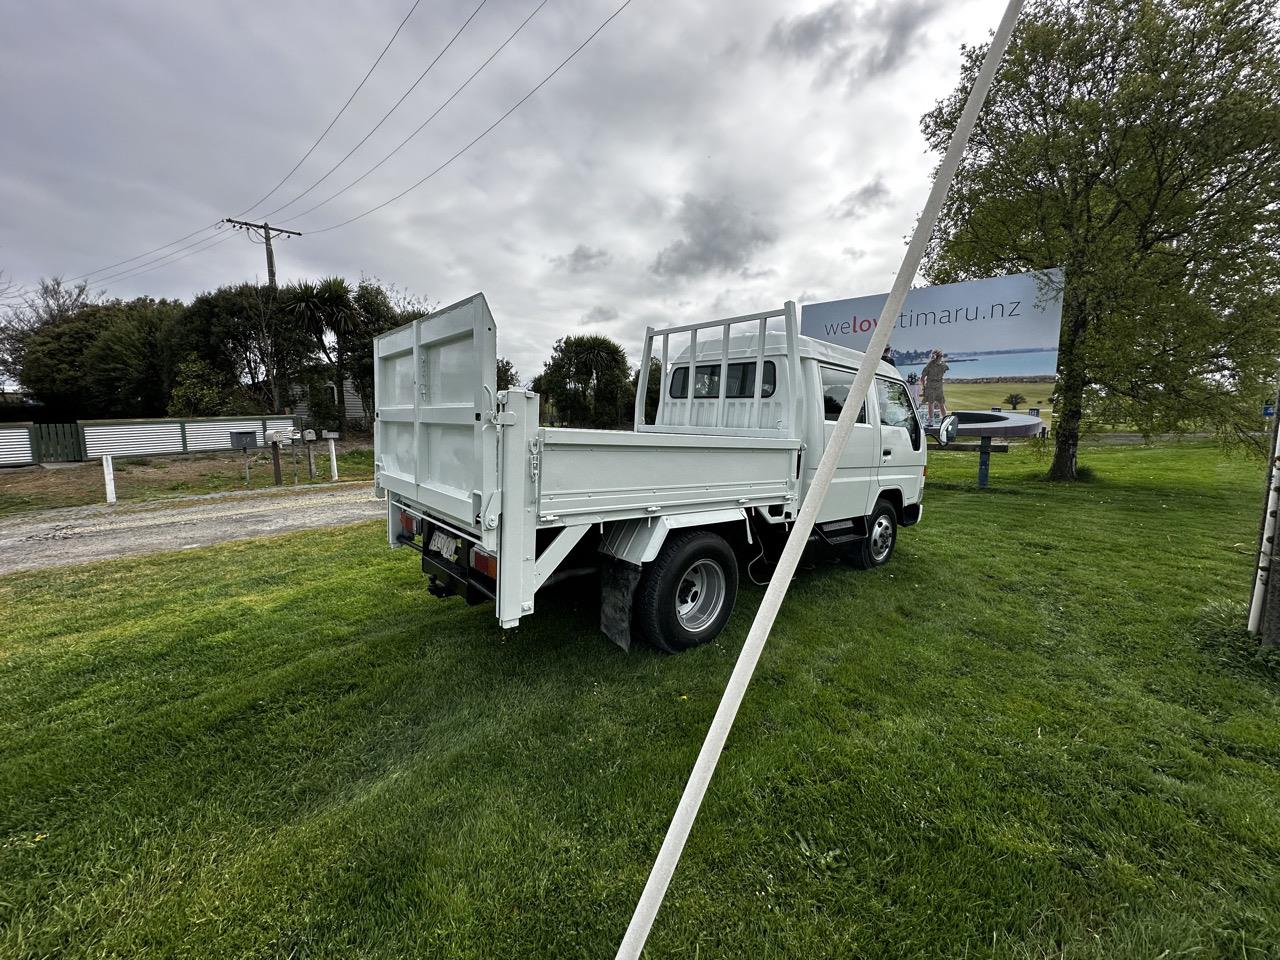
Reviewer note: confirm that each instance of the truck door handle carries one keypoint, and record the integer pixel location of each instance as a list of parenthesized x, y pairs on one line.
[(887, 453)]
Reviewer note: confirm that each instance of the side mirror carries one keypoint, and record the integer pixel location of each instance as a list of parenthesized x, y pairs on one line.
[(947, 430)]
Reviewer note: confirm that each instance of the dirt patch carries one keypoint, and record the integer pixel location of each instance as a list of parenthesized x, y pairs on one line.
[(85, 534)]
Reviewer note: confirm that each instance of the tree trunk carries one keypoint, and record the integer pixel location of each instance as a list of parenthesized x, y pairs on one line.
[(1069, 408)]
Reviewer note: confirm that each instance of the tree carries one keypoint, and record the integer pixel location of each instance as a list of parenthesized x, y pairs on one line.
[(198, 390), (586, 382), (129, 367), (53, 301), (245, 334), (1135, 144), (1013, 399), (326, 311), (508, 375)]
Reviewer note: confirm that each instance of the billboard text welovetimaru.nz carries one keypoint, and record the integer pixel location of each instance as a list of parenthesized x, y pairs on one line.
[(1001, 328)]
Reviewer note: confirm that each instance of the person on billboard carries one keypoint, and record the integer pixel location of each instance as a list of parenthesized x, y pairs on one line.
[(931, 385), (887, 356)]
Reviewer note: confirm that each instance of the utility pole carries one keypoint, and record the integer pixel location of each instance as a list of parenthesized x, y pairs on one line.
[(266, 231)]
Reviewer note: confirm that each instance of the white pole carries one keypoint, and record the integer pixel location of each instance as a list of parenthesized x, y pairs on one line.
[(333, 461), (109, 478), (673, 845), (1266, 550)]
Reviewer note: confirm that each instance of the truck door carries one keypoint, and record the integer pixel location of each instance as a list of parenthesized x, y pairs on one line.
[(902, 452), (435, 437), (853, 488)]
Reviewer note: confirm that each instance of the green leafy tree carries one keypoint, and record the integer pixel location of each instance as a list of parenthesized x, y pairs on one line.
[(1136, 144), (245, 334), (1014, 400), (129, 367), (508, 375), (327, 312), (199, 390), (586, 383), (52, 302)]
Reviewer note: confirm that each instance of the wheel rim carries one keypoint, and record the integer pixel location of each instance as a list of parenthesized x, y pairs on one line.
[(700, 595), (881, 538)]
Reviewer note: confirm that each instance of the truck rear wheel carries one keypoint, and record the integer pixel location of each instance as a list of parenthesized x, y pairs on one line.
[(687, 592), (876, 547)]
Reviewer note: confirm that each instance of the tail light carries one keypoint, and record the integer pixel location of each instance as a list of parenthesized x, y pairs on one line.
[(408, 524), (485, 563)]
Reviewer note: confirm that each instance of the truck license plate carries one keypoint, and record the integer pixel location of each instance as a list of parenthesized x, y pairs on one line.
[(444, 545)]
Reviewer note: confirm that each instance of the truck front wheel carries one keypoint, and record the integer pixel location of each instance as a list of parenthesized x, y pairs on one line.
[(688, 591), (882, 535)]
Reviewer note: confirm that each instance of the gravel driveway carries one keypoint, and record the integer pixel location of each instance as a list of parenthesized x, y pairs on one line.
[(83, 534)]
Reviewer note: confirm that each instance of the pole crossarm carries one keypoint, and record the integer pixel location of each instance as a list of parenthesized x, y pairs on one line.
[(275, 231)]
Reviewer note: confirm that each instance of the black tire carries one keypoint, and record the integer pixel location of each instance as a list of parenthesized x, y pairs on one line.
[(683, 577), (872, 550)]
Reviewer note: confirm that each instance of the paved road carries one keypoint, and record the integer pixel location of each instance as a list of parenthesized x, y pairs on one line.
[(83, 534)]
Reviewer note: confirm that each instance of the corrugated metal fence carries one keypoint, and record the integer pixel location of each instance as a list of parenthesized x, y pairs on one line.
[(15, 445), (26, 443)]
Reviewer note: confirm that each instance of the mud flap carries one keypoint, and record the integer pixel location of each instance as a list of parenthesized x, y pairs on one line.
[(618, 583)]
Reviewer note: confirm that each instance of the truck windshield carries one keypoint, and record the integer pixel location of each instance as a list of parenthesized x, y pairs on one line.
[(706, 381)]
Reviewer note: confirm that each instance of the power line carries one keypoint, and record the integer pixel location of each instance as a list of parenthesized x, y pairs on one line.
[(148, 253), (359, 86), (413, 86), (207, 244), (163, 256), (337, 115), (422, 126), (489, 129)]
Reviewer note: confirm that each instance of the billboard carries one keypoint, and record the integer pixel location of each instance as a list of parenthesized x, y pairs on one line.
[(1003, 328)]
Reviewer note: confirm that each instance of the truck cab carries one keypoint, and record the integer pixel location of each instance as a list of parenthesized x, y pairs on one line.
[(668, 515)]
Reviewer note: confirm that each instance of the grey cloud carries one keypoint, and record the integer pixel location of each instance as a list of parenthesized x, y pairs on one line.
[(583, 259), (854, 43), (718, 236), (600, 314), (870, 196), (811, 34)]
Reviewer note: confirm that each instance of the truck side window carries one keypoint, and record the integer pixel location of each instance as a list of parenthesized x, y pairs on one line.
[(706, 381), (835, 390), (896, 409)]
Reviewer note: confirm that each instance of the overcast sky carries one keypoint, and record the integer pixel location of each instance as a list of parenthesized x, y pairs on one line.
[(695, 160)]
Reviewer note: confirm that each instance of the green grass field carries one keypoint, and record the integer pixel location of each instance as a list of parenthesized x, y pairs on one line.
[(1039, 732), (984, 396)]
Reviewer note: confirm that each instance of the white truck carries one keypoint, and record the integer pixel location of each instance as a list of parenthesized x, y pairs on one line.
[(665, 514)]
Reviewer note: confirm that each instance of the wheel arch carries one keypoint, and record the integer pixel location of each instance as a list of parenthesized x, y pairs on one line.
[(639, 541)]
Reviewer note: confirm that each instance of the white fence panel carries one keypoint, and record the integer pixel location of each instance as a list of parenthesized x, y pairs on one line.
[(133, 439), (15, 446)]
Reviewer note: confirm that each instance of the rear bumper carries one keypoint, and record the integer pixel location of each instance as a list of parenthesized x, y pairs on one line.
[(448, 578)]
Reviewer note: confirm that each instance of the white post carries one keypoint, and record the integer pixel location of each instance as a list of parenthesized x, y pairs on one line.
[(333, 461), (109, 478), (682, 822)]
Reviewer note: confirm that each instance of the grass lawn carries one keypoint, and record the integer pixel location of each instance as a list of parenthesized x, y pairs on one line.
[(153, 478), (1038, 732)]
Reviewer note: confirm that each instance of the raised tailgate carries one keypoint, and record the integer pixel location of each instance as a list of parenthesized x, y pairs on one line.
[(435, 443)]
